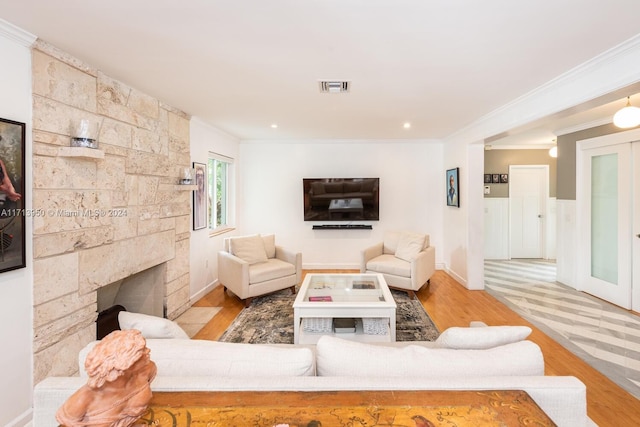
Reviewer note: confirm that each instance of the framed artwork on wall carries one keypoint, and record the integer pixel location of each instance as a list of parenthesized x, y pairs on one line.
[(504, 178), (200, 196), (495, 178), (12, 212), (487, 178), (453, 196)]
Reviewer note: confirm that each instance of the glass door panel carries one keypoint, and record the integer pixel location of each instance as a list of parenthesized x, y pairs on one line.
[(604, 217)]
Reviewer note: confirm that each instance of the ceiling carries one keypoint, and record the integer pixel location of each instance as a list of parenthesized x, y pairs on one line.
[(243, 65)]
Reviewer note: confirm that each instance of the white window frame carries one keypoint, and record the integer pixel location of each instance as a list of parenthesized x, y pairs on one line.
[(229, 190)]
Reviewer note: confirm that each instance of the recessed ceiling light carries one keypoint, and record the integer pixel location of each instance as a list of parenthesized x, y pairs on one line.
[(274, 126), (407, 125)]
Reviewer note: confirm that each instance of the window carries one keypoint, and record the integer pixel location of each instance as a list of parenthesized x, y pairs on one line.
[(219, 180)]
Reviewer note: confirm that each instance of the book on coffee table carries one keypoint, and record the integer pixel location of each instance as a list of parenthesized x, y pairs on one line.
[(320, 298), (363, 284), (342, 325)]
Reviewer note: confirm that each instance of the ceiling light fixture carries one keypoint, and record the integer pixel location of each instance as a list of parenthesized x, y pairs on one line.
[(274, 126), (407, 125), (627, 117), (553, 151)]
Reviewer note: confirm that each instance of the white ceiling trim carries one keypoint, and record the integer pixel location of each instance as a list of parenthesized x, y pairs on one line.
[(608, 72), (583, 126), (16, 34)]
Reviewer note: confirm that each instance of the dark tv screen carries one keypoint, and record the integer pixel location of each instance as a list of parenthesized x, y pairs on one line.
[(341, 199)]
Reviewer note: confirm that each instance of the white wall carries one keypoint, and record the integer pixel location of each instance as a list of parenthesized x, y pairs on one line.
[(411, 193), (496, 225), (566, 249), (463, 227), (16, 324), (204, 269)]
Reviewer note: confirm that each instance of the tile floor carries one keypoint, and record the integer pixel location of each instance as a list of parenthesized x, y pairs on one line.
[(604, 335)]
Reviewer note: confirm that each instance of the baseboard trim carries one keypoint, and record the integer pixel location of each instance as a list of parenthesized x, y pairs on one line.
[(204, 291)]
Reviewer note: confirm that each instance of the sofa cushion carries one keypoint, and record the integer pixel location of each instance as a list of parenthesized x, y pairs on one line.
[(389, 264), (409, 246), (248, 248), (390, 241), (481, 337), (340, 357), (151, 326), (188, 358), (274, 268), (270, 245)]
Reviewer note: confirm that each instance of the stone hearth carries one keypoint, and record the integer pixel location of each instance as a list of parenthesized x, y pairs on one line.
[(103, 219)]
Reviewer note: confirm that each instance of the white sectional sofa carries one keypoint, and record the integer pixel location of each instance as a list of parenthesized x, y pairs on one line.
[(466, 359)]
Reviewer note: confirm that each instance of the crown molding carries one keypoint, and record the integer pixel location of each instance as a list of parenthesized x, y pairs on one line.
[(18, 35), (583, 126)]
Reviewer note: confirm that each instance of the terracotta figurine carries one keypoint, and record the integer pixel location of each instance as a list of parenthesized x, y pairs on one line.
[(118, 390)]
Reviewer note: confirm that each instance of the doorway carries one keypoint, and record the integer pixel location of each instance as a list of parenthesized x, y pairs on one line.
[(528, 194), (608, 203)]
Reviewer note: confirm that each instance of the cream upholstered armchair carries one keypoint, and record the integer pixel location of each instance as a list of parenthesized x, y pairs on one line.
[(406, 260), (250, 266)]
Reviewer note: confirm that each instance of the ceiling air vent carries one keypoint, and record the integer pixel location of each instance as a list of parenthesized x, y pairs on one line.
[(334, 86)]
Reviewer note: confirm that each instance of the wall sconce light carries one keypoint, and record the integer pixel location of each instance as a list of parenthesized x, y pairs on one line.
[(553, 151), (84, 133), (627, 117)]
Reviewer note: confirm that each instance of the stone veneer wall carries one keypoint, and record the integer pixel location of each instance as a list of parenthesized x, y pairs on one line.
[(78, 245)]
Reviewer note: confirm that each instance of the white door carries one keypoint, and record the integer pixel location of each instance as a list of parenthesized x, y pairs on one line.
[(635, 246), (605, 228), (528, 192)]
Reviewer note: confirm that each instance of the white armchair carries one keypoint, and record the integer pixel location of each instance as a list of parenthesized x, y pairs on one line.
[(251, 266), (406, 260)]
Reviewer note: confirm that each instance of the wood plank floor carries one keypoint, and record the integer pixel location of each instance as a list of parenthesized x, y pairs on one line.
[(450, 304)]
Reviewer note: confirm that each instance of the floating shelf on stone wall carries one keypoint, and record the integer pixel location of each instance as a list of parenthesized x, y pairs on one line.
[(82, 152), (184, 187)]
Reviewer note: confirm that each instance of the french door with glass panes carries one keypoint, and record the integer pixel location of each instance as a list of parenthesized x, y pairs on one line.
[(605, 202)]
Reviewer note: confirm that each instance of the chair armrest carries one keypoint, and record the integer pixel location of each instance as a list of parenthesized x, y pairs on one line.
[(291, 257), (423, 267), (233, 273), (368, 254)]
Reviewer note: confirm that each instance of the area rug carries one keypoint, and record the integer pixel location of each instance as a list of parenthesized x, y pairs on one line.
[(269, 320)]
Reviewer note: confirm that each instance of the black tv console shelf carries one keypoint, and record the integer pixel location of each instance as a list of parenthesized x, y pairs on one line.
[(342, 227)]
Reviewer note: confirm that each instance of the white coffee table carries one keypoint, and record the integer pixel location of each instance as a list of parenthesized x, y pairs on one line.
[(365, 297)]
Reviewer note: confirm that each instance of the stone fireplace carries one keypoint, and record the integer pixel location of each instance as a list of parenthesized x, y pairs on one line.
[(140, 293), (106, 214)]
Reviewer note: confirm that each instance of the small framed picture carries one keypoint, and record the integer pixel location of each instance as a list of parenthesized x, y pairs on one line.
[(12, 215), (504, 178), (200, 197), (487, 178), (495, 178), (453, 197)]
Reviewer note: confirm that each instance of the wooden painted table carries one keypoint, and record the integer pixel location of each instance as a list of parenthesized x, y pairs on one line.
[(346, 408)]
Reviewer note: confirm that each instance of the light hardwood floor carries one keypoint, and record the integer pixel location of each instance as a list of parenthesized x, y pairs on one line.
[(450, 304)]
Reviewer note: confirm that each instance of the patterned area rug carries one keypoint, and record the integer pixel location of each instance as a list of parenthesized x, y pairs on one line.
[(269, 320)]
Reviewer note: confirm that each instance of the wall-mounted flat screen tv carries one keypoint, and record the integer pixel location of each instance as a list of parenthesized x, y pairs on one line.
[(341, 199)]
